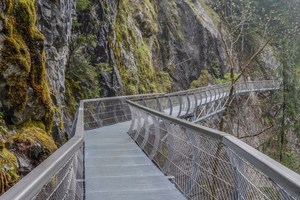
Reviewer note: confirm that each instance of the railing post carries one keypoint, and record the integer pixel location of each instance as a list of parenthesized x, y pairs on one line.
[(156, 136), (139, 126), (146, 136), (180, 105), (133, 119), (170, 146), (159, 105), (196, 105), (195, 160), (241, 185), (189, 104), (171, 106)]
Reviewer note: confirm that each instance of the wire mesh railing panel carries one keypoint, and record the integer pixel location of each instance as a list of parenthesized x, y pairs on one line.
[(175, 107), (194, 160), (150, 103), (204, 164), (63, 185), (251, 183), (164, 104), (200, 103), (106, 112)]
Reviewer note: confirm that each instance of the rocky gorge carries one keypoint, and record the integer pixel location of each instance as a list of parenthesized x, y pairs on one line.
[(56, 52)]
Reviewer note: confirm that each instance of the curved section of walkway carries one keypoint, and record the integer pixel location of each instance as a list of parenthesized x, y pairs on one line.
[(198, 104)]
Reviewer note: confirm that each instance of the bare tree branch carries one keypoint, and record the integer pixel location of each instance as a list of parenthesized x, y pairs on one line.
[(258, 134)]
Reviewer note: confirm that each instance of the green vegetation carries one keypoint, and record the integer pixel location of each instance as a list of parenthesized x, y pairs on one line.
[(290, 160), (253, 26), (81, 74), (8, 170), (83, 5), (143, 77), (226, 78), (23, 66), (34, 142), (23, 48), (204, 79)]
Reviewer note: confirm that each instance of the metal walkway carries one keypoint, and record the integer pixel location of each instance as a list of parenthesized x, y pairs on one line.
[(204, 163), (116, 168)]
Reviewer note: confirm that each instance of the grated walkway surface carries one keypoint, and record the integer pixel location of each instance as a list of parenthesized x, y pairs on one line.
[(116, 168)]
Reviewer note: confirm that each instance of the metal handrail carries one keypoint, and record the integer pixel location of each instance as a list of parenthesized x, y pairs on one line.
[(280, 174), (213, 95), (32, 183), (145, 96), (221, 85)]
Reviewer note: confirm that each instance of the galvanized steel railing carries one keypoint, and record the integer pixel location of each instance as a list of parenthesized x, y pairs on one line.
[(61, 176), (209, 164), (106, 111), (228, 167), (198, 104)]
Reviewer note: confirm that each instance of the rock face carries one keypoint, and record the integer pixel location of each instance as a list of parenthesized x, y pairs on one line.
[(25, 94), (114, 47), (150, 46), (53, 53), (23, 85), (90, 47), (54, 19), (34, 50), (189, 41)]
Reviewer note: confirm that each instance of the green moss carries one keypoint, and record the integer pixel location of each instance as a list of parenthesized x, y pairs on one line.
[(82, 5), (23, 49), (34, 142), (226, 78), (290, 160), (31, 123), (212, 14), (204, 79), (195, 11), (9, 174), (166, 81), (143, 77), (71, 105)]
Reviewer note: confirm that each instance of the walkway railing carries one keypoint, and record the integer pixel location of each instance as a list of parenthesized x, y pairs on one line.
[(205, 163), (61, 176), (209, 164), (198, 104)]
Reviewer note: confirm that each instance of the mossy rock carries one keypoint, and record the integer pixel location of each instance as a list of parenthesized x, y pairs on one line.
[(32, 124), (8, 170), (23, 65), (34, 142), (204, 79)]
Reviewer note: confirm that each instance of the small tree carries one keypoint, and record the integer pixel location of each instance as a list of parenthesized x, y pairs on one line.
[(242, 21), (277, 24)]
